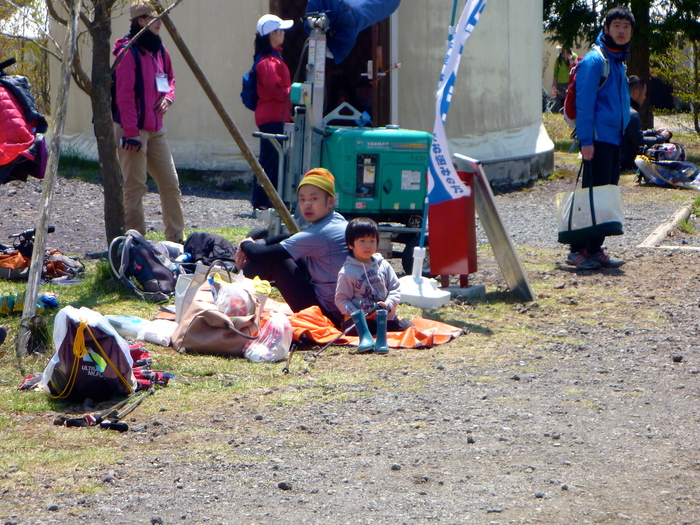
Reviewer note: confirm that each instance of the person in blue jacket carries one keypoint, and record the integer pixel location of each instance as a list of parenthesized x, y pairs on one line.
[(602, 115)]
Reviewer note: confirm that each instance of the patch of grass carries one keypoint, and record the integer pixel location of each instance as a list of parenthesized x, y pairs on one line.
[(203, 178), (500, 328), (695, 211), (74, 164), (687, 226), (558, 130), (560, 133)]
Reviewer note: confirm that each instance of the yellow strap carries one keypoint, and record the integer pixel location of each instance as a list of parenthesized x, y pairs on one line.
[(79, 351)]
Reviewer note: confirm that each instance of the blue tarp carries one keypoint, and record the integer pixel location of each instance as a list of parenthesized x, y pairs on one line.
[(348, 18)]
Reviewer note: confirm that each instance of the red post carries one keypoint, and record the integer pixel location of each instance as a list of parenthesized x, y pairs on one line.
[(452, 229)]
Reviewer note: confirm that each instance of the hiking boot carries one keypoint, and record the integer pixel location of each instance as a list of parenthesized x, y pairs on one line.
[(366, 343), (582, 261), (606, 261), (380, 346)]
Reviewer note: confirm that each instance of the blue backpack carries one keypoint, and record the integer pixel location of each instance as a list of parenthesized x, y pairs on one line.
[(249, 93)]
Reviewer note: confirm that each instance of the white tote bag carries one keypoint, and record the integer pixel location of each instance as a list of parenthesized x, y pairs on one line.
[(595, 211)]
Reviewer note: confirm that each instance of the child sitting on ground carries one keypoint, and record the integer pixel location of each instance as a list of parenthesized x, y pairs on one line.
[(366, 282)]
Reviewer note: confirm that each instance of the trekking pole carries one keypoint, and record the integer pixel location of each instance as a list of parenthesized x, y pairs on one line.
[(341, 334), (89, 420), (345, 332), (135, 404), (285, 370), (114, 422)]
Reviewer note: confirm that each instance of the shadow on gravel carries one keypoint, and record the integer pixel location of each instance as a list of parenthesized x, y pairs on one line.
[(211, 192), (448, 318), (612, 272)]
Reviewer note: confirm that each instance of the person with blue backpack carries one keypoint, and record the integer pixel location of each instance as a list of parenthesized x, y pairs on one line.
[(603, 112), (273, 107)]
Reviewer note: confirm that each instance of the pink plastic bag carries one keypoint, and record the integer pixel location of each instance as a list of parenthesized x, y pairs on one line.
[(274, 341)]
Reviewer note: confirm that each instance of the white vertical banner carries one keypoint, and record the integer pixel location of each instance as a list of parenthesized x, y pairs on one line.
[(444, 183)]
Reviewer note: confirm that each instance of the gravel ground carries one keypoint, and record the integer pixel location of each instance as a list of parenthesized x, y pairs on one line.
[(592, 417), (77, 212)]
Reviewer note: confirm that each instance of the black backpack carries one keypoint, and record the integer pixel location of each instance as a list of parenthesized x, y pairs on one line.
[(209, 247), (249, 93), (145, 267)]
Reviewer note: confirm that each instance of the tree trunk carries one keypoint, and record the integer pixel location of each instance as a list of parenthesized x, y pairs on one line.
[(696, 74), (101, 33), (638, 63)]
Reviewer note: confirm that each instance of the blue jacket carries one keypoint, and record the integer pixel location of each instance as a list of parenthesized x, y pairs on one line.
[(602, 114)]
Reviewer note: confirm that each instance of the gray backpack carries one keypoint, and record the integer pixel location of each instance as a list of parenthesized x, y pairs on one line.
[(144, 267)]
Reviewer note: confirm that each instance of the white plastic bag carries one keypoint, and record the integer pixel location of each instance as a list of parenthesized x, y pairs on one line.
[(158, 332), (181, 286), (128, 326), (131, 327), (234, 300), (274, 341)]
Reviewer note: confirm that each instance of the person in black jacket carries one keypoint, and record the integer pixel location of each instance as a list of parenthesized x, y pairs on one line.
[(637, 140)]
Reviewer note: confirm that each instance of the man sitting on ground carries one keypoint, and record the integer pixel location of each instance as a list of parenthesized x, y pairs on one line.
[(304, 266), (636, 140)]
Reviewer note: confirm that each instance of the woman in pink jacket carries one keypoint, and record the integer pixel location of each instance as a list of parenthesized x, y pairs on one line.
[(273, 109), (145, 90)]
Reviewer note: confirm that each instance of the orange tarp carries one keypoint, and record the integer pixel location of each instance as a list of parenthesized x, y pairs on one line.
[(311, 325)]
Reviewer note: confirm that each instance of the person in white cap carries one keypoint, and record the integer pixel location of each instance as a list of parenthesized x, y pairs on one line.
[(273, 108)]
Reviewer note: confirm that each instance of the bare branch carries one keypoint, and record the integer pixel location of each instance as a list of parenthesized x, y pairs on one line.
[(85, 20), (37, 44), (38, 27), (80, 76), (54, 14)]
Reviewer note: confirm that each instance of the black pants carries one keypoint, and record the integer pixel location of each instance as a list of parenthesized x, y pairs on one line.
[(292, 280), (269, 160), (603, 169)]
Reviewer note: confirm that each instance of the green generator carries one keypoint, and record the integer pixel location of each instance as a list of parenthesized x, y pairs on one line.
[(379, 172)]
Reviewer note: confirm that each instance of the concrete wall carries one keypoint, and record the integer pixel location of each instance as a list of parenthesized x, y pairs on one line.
[(495, 117), (223, 46), (496, 113)]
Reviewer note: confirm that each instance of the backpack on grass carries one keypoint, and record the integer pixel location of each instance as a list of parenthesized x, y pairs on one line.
[(91, 359), (569, 107), (144, 267)]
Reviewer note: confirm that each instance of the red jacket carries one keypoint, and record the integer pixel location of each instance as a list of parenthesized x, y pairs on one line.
[(16, 135), (274, 82), (126, 88)]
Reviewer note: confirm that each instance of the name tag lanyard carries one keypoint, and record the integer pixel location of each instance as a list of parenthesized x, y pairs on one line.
[(162, 83)]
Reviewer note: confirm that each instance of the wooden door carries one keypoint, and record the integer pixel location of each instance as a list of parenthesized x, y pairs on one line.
[(349, 80)]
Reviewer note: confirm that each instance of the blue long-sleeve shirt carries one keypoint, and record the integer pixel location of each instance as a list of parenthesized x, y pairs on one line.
[(602, 112)]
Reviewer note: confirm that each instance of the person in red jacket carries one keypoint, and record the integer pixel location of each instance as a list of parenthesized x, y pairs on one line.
[(145, 90), (273, 108)]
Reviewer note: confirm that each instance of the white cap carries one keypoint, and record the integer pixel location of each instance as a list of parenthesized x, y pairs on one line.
[(269, 23)]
